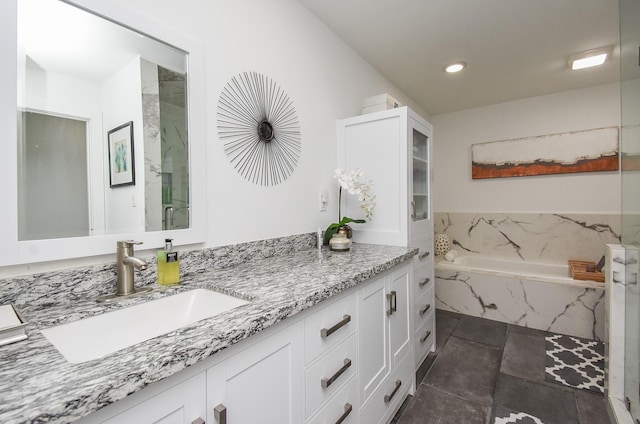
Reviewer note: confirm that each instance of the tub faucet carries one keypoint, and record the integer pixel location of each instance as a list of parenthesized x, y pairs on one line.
[(126, 262)]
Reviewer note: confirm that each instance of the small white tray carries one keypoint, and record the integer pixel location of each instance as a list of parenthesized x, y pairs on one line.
[(12, 325)]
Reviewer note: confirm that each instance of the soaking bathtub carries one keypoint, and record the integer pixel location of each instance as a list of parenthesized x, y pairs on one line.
[(536, 295), (551, 273)]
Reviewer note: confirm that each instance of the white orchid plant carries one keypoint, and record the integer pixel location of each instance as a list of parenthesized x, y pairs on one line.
[(352, 184)]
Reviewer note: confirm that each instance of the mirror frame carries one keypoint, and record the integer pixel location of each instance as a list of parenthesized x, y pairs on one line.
[(14, 252)]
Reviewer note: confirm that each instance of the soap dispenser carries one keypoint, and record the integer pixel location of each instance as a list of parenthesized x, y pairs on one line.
[(168, 264)]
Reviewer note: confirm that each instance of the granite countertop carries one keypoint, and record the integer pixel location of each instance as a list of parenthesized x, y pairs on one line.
[(38, 385)]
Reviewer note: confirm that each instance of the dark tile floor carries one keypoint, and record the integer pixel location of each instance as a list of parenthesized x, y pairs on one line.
[(484, 367)]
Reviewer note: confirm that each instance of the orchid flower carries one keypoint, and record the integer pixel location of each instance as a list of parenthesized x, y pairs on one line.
[(362, 190)]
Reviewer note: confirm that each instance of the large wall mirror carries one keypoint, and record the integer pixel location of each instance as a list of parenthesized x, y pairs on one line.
[(109, 137)]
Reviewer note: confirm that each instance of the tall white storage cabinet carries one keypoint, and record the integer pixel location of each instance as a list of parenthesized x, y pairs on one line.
[(393, 149)]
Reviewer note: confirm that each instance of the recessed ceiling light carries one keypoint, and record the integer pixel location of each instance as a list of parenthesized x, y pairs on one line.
[(455, 67), (589, 58)]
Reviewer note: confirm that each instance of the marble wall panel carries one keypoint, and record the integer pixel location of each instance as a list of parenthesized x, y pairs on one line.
[(152, 146), (548, 238)]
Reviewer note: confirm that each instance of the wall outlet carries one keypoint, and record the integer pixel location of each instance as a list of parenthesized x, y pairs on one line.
[(324, 200)]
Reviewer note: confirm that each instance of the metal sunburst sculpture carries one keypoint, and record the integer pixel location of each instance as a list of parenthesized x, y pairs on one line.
[(259, 127)]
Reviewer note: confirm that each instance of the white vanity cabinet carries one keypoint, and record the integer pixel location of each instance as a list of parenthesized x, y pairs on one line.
[(348, 359), (393, 149), (184, 403), (260, 384), (386, 361)]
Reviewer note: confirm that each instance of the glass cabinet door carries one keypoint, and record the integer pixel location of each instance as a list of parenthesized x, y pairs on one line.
[(420, 154)]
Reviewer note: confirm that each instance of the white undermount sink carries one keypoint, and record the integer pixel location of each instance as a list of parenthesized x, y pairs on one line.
[(97, 336)]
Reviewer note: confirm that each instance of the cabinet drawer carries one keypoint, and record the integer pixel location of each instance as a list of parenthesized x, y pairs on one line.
[(424, 337), (329, 373), (343, 406), (384, 402), (423, 307), (329, 326), (423, 279), (425, 251)]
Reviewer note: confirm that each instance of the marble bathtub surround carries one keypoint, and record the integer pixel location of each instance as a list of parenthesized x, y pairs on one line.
[(576, 310), (280, 277), (544, 237), (559, 308)]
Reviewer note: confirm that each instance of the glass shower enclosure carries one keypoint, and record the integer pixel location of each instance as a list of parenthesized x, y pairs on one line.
[(630, 164)]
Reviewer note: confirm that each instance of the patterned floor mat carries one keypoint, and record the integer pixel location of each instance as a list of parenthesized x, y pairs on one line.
[(517, 418), (575, 362)]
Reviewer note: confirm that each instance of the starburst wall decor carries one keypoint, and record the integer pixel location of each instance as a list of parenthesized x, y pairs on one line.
[(259, 128)]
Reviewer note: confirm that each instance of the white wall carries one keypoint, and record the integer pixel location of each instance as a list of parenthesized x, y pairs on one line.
[(323, 77), (124, 206), (455, 191)]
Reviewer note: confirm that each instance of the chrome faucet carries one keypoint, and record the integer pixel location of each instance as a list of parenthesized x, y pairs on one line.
[(126, 262)]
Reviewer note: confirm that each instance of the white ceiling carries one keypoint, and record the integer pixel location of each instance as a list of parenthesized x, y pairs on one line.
[(514, 48)]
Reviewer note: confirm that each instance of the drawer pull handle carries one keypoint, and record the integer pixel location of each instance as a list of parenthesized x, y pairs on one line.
[(425, 337), (393, 303), (423, 255), (327, 332), (347, 410), (220, 414), (387, 398), (326, 382), (424, 282), (425, 309), (198, 421)]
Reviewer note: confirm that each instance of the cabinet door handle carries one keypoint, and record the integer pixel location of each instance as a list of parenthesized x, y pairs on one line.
[(387, 398), (220, 414), (425, 309), (424, 255), (327, 332), (425, 337), (326, 382), (347, 410), (393, 303), (424, 282), (413, 209), (198, 421)]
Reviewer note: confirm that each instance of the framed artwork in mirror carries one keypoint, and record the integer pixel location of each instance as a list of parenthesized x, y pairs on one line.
[(121, 159)]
